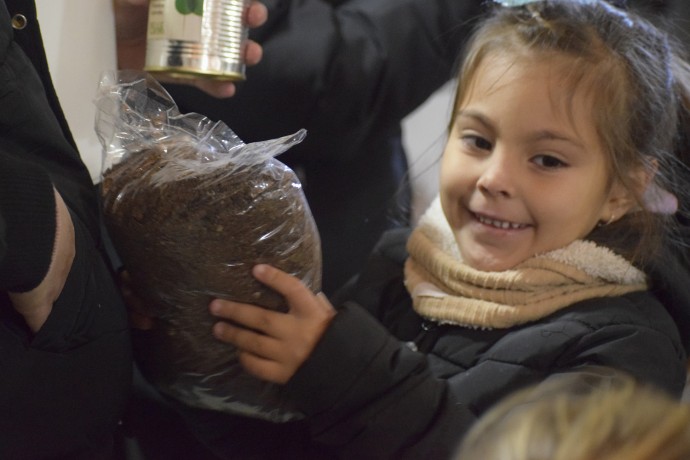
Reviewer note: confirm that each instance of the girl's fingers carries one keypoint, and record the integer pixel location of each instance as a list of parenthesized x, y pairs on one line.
[(272, 277), (264, 369), (302, 302), (249, 341), (274, 344), (249, 316), (324, 302), (287, 285), (260, 355)]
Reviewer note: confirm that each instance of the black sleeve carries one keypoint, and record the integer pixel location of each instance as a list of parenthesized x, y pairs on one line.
[(367, 395), (27, 230)]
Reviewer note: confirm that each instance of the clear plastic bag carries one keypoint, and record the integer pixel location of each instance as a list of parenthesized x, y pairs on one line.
[(190, 209)]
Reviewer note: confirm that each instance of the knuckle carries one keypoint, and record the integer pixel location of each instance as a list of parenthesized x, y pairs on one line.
[(255, 344), (265, 320), (224, 332)]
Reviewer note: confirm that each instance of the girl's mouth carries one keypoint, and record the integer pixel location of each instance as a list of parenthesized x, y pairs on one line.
[(500, 224)]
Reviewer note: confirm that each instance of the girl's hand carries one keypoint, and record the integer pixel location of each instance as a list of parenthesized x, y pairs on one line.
[(273, 345), (131, 18)]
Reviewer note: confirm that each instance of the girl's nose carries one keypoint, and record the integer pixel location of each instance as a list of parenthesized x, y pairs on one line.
[(496, 178)]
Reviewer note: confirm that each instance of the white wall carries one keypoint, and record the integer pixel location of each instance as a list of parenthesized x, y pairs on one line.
[(80, 43), (424, 137)]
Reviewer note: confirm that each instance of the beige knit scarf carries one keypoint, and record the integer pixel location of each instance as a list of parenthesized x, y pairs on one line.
[(446, 290)]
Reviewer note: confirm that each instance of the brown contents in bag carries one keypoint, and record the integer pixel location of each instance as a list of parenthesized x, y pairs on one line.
[(194, 235)]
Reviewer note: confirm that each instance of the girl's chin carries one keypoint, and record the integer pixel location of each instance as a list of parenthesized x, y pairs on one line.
[(489, 262), (489, 253)]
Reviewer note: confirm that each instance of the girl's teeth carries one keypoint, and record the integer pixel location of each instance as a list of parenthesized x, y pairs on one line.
[(499, 223)]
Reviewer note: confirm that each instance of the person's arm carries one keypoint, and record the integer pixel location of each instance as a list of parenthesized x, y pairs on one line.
[(344, 371), (341, 72), (37, 238), (36, 304), (403, 49), (131, 18), (366, 394)]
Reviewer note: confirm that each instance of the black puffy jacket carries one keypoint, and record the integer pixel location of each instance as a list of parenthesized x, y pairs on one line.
[(385, 384)]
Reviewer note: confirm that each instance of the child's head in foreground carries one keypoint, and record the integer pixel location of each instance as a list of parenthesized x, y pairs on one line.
[(568, 122), (602, 415)]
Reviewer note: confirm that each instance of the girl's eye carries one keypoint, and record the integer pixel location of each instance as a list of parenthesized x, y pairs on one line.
[(548, 162), (477, 142)]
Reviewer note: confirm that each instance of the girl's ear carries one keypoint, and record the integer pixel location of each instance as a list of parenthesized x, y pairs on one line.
[(622, 199)]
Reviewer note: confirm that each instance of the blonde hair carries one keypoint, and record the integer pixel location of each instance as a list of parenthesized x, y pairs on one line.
[(582, 417), (637, 79)]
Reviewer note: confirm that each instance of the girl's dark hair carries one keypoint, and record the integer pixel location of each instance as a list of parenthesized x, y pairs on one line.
[(641, 88)]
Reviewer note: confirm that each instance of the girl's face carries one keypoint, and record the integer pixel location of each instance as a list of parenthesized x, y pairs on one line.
[(523, 171)]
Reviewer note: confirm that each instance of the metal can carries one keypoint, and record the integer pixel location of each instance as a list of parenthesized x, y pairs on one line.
[(197, 38)]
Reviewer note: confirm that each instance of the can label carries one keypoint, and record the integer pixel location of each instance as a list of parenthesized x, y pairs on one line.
[(193, 38)]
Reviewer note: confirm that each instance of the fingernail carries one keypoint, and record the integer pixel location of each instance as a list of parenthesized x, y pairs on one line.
[(214, 307), (259, 269)]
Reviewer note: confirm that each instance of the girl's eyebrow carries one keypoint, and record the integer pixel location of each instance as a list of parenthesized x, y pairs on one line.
[(554, 136), (537, 136), (474, 115)]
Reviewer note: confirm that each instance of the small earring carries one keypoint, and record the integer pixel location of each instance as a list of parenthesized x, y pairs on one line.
[(604, 224)]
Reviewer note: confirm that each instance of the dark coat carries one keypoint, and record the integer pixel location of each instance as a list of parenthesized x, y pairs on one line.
[(383, 383), (414, 393), (349, 75), (62, 390)]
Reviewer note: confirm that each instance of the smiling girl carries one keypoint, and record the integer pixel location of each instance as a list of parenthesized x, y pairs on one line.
[(555, 246)]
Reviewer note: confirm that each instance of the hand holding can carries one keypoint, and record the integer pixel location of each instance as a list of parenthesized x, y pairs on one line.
[(197, 38)]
